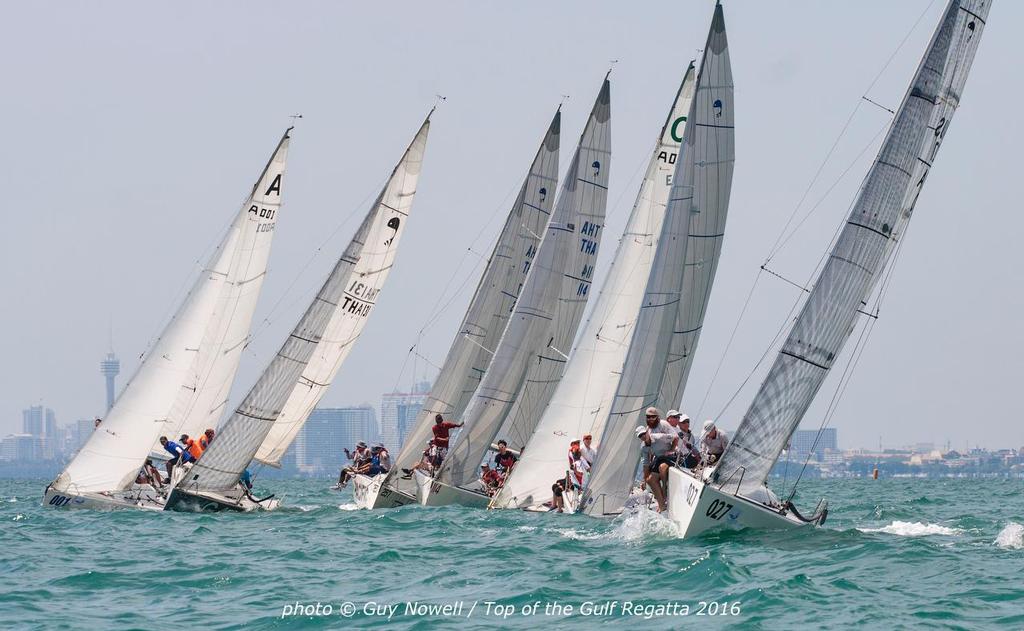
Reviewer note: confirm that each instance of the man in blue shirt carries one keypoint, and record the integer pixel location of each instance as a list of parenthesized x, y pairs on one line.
[(178, 454)]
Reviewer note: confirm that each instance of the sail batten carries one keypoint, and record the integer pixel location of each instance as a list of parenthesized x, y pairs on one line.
[(879, 216)]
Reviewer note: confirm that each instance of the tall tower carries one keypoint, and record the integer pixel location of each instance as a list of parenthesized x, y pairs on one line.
[(110, 368)]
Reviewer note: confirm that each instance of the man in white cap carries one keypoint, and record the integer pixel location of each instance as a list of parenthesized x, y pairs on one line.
[(689, 455), (658, 453), (713, 441)]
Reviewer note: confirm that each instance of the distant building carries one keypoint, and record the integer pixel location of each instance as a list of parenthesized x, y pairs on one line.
[(320, 446), (110, 367), (41, 424), (20, 448), (398, 412), (809, 441)]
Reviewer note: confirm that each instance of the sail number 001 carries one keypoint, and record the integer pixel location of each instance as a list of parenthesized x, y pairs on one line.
[(718, 509)]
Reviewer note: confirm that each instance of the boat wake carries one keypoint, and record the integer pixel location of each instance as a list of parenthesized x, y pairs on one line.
[(349, 506), (645, 523), (1011, 537), (914, 529)]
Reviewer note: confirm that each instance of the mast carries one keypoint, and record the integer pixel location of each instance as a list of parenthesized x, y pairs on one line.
[(696, 213), (876, 223), (488, 312), (551, 304), (336, 316)]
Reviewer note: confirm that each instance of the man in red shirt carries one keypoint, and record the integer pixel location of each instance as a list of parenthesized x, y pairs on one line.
[(441, 429)]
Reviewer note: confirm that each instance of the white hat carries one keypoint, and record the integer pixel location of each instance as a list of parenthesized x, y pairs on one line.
[(653, 411), (708, 425), (672, 413), (641, 430), (684, 417)]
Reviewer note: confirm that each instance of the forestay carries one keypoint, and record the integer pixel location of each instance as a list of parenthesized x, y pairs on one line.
[(876, 223), (309, 357), (112, 456), (487, 315), (584, 393), (699, 200), (550, 306), (203, 397)]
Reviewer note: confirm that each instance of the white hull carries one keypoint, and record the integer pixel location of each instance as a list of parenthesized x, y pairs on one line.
[(431, 492), (138, 497), (697, 507), (372, 493), (207, 501)]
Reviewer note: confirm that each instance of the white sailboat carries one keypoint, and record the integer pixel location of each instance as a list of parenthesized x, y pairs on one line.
[(303, 368), (544, 321), (484, 321), (582, 399), (678, 289), (103, 473), (735, 492)]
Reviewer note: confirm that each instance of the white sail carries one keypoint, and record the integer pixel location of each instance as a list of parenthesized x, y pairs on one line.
[(584, 394), (488, 311), (699, 200), (876, 224), (203, 396), (112, 456), (313, 351), (550, 306)]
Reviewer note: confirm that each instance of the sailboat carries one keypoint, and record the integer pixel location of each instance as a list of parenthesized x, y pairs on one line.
[(669, 322), (543, 322), (582, 400), (482, 325), (190, 366), (734, 490), (310, 357)]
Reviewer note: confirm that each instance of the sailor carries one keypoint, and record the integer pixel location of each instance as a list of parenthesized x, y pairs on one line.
[(178, 454), (504, 460), (660, 441), (713, 441), (441, 431), (372, 467), (149, 475), (425, 463), (587, 449), (491, 479), (96, 423), (574, 448), (580, 467), (207, 438), (385, 457), (193, 446), (558, 489), (359, 458), (689, 455), (246, 480)]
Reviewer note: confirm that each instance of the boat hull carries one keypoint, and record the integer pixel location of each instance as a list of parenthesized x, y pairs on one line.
[(373, 493), (210, 502), (697, 507), (431, 492), (137, 498)]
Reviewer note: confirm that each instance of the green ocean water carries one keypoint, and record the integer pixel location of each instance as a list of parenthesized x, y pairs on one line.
[(894, 554)]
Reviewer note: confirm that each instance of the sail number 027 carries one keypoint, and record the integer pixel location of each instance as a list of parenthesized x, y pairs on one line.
[(718, 509)]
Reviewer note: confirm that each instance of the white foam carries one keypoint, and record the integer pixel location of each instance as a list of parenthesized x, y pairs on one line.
[(1011, 537), (645, 523), (349, 506), (913, 529), (526, 528), (578, 535)]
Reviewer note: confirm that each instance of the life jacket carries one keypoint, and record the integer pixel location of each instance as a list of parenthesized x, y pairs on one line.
[(194, 448)]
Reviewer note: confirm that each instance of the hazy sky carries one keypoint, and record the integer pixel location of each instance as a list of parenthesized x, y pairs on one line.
[(134, 131)]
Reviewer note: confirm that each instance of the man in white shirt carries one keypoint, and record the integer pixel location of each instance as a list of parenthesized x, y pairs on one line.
[(713, 442), (587, 450), (660, 441), (689, 455)]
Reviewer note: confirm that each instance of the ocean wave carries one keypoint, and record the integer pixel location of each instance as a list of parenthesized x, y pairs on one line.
[(1011, 537), (913, 529), (349, 506), (645, 524)]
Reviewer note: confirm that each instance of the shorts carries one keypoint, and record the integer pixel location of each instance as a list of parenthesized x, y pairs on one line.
[(556, 489), (669, 459)]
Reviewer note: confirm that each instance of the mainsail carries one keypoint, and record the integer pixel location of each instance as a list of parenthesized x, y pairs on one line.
[(488, 311), (112, 456), (696, 212), (200, 402), (584, 394), (550, 306), (310, 356), (876, 223)]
